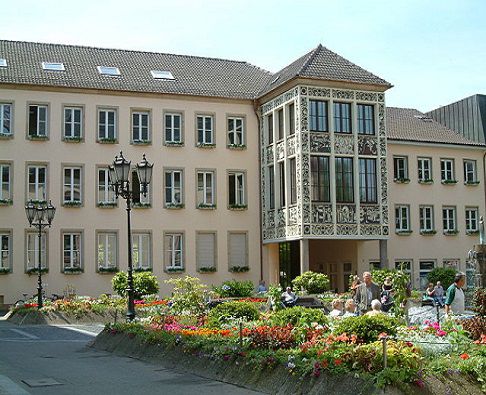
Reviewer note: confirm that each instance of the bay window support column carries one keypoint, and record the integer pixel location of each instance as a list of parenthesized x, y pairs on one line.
[(304, 255), (383, 254)]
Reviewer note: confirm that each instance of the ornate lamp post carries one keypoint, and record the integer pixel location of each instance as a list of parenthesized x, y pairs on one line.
[(40, 216), (120, 180)]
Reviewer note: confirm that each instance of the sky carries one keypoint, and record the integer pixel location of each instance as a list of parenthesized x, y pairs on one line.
[(432, 51)]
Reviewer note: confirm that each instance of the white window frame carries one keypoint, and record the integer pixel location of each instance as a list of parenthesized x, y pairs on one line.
[(239, 188), (447, 170), (109, 70), (206, 188), (37, 184), (41, 120), (172, 188), (75, 255), (105, 240), (105, 190), (171, 129), (105, 133), (449, 223), (400, 170), (142, 250), (472, 219), (426, 218), (145, 200), (470, 172), (53, 66), (236, 134), (69, 185), (32, 251), (402, 218), (72, 123), (6, 119), (5, 253), (206, 261), (174, 244), (424, 167), (6, 185), (423, 281), (406, 265), (138, 129), (231, 258), (204, 130)]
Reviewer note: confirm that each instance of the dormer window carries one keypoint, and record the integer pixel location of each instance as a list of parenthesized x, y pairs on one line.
[(51, 66), (108, 70), (162, 75), (3, 62)]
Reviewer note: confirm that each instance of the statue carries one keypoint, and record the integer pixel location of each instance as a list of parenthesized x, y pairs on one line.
[(481, 230)]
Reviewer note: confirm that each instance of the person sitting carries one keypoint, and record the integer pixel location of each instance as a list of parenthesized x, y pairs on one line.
[(439, 293), (337, 308), (349, 308), (430, 294), (262, 288), (289, 298), (375, 308)]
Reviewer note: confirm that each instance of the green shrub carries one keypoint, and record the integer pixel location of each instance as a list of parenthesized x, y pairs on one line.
[(479, 301), (400, 280), (188, 295), (144, 283), (298, 316), (224, 313), (367, 328), (312, 283), (235, 289), (443, 274)]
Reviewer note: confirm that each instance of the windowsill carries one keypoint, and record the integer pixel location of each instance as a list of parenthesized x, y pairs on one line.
[(141, 142), (428, 232), (451, 232), (174, 270), (37, 138), (73, 139), (5, 270), (142, 205), (36, 202), (401, 180), (471, 183), (206, 270), (74, 204), (347, 133), (36, 271), (76, 270), (205, 145), (238, 207), (142, 269), (107, 141), (107, 270), (174, 143), (472, 232), (174, 206), (6, 202), (203, 206), (239, 269), (403, 232), (106, 204), (426, 182), (236, 147), (448, 182), (5, 136)]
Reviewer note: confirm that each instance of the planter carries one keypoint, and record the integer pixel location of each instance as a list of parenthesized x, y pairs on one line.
[(76, 203), (142, 205), (448, 182), (426, 182), (404, 232), (36, 271), (451, 232), (203, 206), (103, 270), (73, 270), (38, 138), (142, 269), (471, 183), (141, 142), (239, 269), (428, 232), (237, 207), (401, 180), (237, 147), (174, 144), (206, 270), (174, 270), (107, 141), (73, 139), (6, 136), (4, 270), (205, 145), (174, 206), (107, 204), (6, 202)]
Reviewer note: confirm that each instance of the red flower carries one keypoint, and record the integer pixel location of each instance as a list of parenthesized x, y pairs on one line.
[(464, 356), (324, 364), (338, 362), (382, 335)]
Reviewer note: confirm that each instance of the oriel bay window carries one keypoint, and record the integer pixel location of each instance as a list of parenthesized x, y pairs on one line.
[(320, 182), (280, 122), (367, 181), (236, 187), (37, 121), (270, 129), (271, 187), (71, 252), (293, 180), (72, 186), (205, 189), (344, 180), (37, 183), (318, 121), (342, 117), (291, 124), (366, 119), (281, 178)]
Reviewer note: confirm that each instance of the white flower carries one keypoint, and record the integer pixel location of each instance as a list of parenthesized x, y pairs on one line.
[(290, 365)]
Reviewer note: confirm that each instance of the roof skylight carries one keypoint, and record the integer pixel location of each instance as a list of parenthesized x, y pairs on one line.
[(275, 80), (108, 70), (53, 66), (162, 75), (3, 62)]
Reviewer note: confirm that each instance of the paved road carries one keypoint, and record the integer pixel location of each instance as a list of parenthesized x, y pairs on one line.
[(54, 360)]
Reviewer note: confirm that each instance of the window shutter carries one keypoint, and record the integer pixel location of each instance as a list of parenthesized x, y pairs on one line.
[(237, 250), (205, 250)]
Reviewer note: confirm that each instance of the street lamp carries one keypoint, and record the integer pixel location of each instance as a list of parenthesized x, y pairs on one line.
[(40, 215), (119, 174)]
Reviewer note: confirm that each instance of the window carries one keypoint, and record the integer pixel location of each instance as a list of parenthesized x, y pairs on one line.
[(72, 185), (236, 185), (5, 251), (281, 177), (140, 127), (426, 214), (3, 62), (367, 181), (236, 131), (37, 121), (402, 218), (174, 258), (106, 194), (139, 199), (237, 251), (344, 180), (424, 169), (405, 266), (107, 70), (400, 168), (342, 117), (5, 119), (71, 251), (270, 128), (52, 66), (37, 184), (107, 125), (205, 130), (472, 220), (320, 182), (141, 256), (449, 219), (73, 122), (173, 188), (425, 267), (447, 170), (291, 119), (162, 75), (366, 119), (271, 187), (33, 251), (107, 251), (173, 128), (6, 184), (205, 189), (452, 263), (293, 180), (280, 121), (206, 251), (470, 172), (318, 116)]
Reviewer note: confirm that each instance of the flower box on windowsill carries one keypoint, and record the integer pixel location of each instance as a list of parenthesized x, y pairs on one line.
[(103, 270), (38, 138), (204, 206), (36, 270), (401, 180), (6, 136), (37, 202), (428, 232), (73, 270), (68, 139), (141, 142), (174, 270), (174, 206), (4, 270), (174, 143), (107, 204), (427, 181), (239, 269), (73, 203), (205, 145), (6, 202), (237, 147), (472, 232), (107, 140), (142, 205), (451, 232), (448, 182), (206, 269), (471, 183), (403, 232), (237, 207), (142, 269)]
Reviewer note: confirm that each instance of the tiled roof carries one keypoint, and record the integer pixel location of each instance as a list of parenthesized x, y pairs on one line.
[(193, 75), (408, 124), (321, 63)]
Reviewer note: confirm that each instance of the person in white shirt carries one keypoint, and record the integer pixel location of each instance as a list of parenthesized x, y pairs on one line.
[(288, 297), (350, 308), (337, 308), (455, 301)]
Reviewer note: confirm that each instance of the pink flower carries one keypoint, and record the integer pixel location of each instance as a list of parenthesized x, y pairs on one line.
[(441, 333)]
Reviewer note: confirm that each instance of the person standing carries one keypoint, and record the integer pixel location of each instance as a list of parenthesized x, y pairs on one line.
[(455, 301), (365, 293)]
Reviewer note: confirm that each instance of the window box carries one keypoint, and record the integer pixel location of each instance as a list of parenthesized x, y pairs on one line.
[(6, 202), (471, 182), (73, 270), (107, 140), (237, 207), (38, 138), (451, 232), (237, 147), (106, 204), (142, 269), (103, 270), (36, 270), (204, 206), (426, 181), (174, 269), (74, 203), (401, 180), (448, 182), (206, 269), (4, 270), (174, 143), (206, 145), (428, 232), (142, 205), (141, 142), (174, 206), (239, 269), (36, 202), (472, 232), (73, 139), (403, 232), (6, 136)]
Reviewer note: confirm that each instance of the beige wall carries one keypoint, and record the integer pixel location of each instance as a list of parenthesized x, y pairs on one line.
[(91, 154)]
